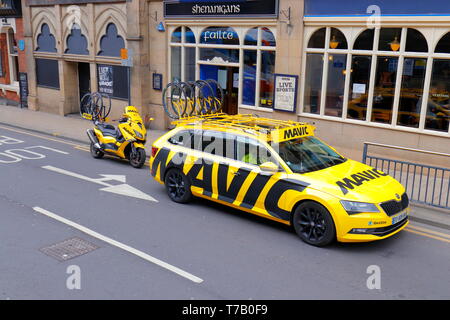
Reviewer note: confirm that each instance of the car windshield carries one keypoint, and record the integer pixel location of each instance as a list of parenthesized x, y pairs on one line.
[(308, 154)]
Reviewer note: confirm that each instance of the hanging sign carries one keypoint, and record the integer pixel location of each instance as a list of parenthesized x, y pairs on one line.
[(221, 8)]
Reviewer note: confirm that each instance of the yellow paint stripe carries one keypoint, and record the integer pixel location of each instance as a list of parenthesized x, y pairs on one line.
[(427, 235), (430, 231)]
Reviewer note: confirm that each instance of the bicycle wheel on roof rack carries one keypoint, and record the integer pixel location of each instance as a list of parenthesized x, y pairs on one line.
[(174, 100), (189, 92), (218, 95), (203, 97)]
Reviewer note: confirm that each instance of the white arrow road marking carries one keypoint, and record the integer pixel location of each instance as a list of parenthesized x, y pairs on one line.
[(109, 177), (120, 245), (127, 190), (123, 189)]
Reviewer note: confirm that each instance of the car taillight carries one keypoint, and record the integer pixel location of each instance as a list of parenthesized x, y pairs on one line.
[(154, 151)]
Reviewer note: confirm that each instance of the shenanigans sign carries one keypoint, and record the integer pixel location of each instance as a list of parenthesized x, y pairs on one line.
[(220, 8)]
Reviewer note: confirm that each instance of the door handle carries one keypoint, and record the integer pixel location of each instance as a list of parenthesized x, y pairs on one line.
[(235, 173)]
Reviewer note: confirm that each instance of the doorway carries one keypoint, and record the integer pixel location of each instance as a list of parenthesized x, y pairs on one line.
[(228, 78), (84, 79)]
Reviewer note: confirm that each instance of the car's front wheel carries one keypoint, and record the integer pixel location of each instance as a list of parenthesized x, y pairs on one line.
[(178, 186), (314, 224)]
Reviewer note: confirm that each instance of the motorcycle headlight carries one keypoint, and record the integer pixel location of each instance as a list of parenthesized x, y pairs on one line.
[(353, 207), (138, 134)]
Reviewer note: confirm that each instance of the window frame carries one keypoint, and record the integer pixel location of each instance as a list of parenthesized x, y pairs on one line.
[(352, 34), (241, 32)]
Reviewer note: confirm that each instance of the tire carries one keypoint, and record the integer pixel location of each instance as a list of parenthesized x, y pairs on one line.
[(314, 224), (137, 160), (96, 153), (178, 186)]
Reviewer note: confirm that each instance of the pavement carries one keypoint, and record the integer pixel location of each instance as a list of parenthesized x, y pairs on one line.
[(143, 246), (73, 127)]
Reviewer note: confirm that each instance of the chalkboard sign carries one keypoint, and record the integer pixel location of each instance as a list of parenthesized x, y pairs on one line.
[(23, 89)]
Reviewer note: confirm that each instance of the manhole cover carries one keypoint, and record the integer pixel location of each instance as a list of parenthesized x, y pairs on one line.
[(69, 249)]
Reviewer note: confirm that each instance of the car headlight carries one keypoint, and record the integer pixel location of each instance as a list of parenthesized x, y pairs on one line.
[(353, 207), (138, 134)]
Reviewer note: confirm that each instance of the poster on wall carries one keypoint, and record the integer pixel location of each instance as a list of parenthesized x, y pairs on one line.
[(285, 95), (105, 79)]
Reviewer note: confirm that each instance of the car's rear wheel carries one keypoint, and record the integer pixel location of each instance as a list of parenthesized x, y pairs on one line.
[(314, 224), (178, 186)]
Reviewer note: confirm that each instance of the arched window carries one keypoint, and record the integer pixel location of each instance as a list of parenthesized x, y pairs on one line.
[(219, 36), (251, 38), (337, 39), (365, 40), (46, 41), (189, 36), (177, 35), (443, 45), (317, 40), (415, 41), (267, 38), (390, 39), (76, 41), (111, 42)]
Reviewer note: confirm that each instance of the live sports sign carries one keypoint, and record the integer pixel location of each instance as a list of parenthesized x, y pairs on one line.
[(220, 8)]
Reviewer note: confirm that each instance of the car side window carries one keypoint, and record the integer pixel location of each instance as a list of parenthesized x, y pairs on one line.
[(252, 152), (183, 139), (217, 143)]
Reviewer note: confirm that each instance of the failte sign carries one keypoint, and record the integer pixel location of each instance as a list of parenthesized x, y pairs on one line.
[(220, 8)]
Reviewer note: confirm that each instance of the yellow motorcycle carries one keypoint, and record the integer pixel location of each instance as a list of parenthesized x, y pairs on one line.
[(127, 141)]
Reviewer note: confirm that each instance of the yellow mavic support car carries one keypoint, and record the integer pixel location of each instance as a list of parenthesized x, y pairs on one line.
[(279, 170)]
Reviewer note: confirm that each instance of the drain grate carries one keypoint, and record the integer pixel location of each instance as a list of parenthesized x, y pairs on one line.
[(69, 249)]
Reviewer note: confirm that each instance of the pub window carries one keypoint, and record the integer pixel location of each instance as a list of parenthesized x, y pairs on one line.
[(313, 82), (365, 40), (337, 39), (182, 44), (415, 41), (384, 92), (318, 39), (47, 73), (113, 80), (359, 87), (390, 39), (267, 78), (443, 45), (413, 80), (373, 93), (251, 38), (337, 64), (267, 38), (249, 81), (438, 105)]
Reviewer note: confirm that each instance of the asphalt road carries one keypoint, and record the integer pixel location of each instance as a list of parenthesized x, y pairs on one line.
[(204, 250)]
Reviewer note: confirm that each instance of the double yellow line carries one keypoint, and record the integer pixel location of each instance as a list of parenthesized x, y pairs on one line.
[(428, 233)]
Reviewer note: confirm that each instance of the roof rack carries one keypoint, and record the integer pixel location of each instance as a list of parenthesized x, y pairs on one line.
[(272, 129)]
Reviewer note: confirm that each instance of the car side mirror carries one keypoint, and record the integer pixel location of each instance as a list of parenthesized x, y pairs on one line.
[(269, 167)]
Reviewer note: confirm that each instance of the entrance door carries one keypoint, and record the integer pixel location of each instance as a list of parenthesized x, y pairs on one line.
[(228, 78), (84, 78)]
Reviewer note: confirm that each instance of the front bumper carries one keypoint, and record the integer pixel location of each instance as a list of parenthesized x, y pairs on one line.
[(376, 227)]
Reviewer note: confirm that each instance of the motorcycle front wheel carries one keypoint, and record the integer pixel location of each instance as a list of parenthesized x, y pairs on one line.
[(137, 159)]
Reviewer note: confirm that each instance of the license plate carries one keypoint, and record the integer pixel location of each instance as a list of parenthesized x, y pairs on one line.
[(399, 218)]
